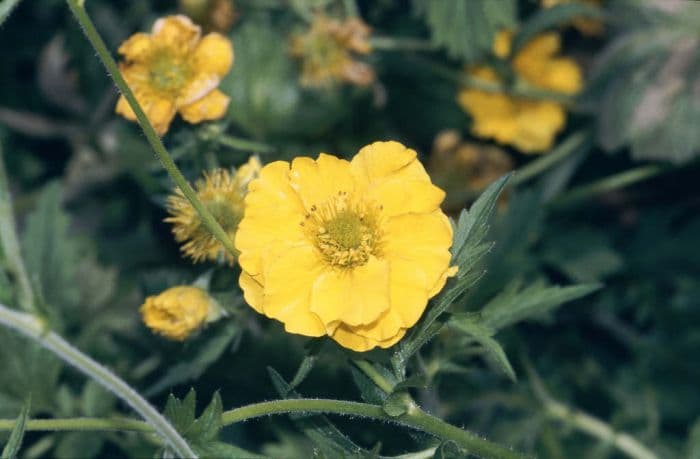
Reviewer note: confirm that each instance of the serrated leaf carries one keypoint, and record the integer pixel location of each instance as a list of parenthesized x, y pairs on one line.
[(181, 413), (514, 305), (483, 336), (547, 18), (330, 441), (467, 249), (466, 28), (14, 443), (207, 426), (369, 391)]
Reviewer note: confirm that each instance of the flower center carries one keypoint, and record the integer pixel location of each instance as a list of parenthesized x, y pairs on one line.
[(346, 232), (169, 71)]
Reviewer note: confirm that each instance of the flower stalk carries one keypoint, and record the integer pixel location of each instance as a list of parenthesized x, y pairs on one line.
[(36, 330), (78, 10)]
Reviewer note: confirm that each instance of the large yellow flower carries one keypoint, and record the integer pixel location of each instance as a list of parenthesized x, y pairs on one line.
[(527, 124), (222, 193), (175, 69), (352, 250)]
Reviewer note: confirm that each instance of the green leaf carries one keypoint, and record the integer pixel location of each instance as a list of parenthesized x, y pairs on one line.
[(449, 450), (330, 441), (181, 413), (547, 18), (6, 7), (397, 404), (14, 443), (304, 369), (483, 335), (207, 426), (369, 391), (466, 28), (514, 305), (468, 248), (199, 357), (220, 450)]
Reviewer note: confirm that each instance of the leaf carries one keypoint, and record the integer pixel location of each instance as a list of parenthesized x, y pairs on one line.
[(466, 28), (181, 413), (449, 450), (547, 18), (6, 7), (514, 305), (369, 391), (198, 358), (207, 426), (14, 443), (331, 441), (483, 335), (468, 248), (220, 450), (304, 368), (396, 404)]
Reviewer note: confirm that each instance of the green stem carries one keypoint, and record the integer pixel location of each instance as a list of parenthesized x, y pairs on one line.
[(598, 429), (81, 424), (243, 144), (415, 418), (606, 184), (401, 44), (377, 378), (10, 243), (98, 44), (34, 329), (575, 142)]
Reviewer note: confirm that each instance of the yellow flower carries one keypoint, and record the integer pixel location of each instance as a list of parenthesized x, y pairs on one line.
[(328, 49), (528, 124), (587, 26), (465, 168), (175, 69), (222, 193), (179, 311), (352, 250)]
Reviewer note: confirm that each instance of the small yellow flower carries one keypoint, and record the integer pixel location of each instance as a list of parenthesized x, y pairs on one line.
[(179, 311), (527, 124), (352, 250), (175, 69), (587, 26), (222, 193), (328, 50), (465, 168)]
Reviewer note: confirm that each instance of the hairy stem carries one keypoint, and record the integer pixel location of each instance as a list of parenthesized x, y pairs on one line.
[(10, 243), (34, 329), (166, 160)]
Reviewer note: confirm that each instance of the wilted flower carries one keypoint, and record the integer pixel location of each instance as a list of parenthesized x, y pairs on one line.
[(352, 250), (215, 15), (586, 26), (222, 193), (328, 52), (175, 69), (179, 311), (464, 169), (528, 124)]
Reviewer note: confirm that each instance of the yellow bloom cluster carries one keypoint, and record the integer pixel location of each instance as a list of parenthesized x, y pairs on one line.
[(222, 193), (327, 52), (349, 249), (174, 69), (179, 311), (527, 124)]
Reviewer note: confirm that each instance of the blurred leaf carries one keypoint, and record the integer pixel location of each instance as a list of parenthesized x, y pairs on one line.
[(6, 7), (547, 18), (598, 261), (304, 369), (369, 391), (330, 441), (220, 450), (396, 404), (449, 450), (466, 28), (515, 304), (11, 449), (484, 336), (693, 444), (204, 352)]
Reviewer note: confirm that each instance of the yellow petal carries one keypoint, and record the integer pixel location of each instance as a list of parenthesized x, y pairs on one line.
[(176, 31), (354, 297), (538, 124), (272, 217), (409, 291), (317, 181), (451, 272), (252, 291), (136, 47), (197, 88), (384, 328), (378, 160), (426, 246), (289, 277), (502, 43), (346, 337), (400, 196), (210, 107), (124, 109), (160, 111), (213, 55)]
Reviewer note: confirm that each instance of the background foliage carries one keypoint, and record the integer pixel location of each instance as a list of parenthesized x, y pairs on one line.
[(496, 352)]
